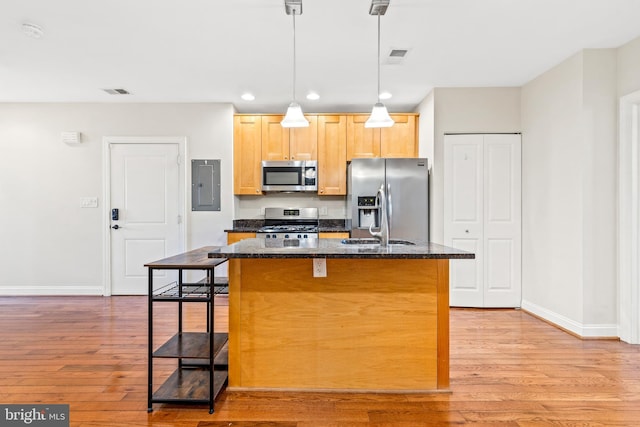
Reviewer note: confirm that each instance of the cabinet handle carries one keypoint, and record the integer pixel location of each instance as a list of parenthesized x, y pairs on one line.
[(466, 231), (257, 191)]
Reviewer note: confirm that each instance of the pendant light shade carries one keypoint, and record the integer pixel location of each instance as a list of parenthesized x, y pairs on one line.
[(294, 117), (379, 115)]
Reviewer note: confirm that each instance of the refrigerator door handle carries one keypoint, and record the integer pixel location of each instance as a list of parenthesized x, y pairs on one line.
[(389, 207)]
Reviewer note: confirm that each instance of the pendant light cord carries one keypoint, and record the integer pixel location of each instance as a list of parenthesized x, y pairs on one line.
[(294, 56), (378, 58)]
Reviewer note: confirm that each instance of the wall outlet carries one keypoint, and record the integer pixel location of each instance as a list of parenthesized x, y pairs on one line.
[(319, 267), (324, 211)]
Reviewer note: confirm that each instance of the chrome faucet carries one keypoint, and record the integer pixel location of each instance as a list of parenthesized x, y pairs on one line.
[(383, 234)]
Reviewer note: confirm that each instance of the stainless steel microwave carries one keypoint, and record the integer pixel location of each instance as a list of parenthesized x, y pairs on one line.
[(298, 175)]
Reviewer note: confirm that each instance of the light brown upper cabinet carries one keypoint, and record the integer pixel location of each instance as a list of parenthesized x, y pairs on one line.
[(400, 140), (332, 139), (280, 143), (247, 154), (275, 139), (361, 141), (332, 155)]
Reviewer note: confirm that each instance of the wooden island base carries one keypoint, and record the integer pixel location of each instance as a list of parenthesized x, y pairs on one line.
[(371, 325)]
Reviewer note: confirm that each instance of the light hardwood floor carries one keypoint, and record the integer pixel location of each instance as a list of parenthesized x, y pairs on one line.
[(507, 368)]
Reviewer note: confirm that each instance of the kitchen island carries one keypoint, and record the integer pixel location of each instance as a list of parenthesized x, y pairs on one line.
[(378, 320)]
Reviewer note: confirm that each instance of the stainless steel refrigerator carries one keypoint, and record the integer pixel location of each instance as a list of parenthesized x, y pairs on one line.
[(406, 182)]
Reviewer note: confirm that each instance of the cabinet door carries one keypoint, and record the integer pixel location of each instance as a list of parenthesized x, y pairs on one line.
[(233, 236), (333, 235), (304, 141), (361, 141), (400, 140), (247, 154), (332, 155), (275, 139)]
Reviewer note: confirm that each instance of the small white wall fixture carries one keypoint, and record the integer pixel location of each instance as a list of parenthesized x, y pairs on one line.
[(629, 219)]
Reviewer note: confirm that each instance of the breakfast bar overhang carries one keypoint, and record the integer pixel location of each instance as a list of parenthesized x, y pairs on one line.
[(377, 322)]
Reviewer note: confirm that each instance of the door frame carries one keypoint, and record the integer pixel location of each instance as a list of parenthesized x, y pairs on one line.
[(629, 219), (181, 141)]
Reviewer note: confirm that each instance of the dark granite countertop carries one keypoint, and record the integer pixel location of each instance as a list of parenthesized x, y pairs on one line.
[(334, 248), (333, 229)]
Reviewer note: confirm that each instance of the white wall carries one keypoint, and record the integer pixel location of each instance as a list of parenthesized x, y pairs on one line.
[(569, 197), (466, 110), (48, 244), (426, 128), (629, 67), (600, 199)]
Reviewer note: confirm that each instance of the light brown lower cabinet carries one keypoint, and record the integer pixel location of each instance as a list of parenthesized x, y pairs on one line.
[(333, 235), (233, 236)]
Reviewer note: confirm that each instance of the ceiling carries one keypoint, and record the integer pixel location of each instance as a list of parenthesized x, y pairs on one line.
[(214, 50)]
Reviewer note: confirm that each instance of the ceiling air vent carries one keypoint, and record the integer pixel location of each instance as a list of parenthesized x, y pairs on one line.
[(396, 56), (117, 91)]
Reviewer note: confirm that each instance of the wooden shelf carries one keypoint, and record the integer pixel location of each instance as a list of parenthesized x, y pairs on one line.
[(190, 384), (194, 345), (202, 357)]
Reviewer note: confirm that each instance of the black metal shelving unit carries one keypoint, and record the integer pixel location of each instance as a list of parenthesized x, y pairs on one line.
[(201, 371)]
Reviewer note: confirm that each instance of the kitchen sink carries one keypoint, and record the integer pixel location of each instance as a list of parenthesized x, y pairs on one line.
[(368, 241)]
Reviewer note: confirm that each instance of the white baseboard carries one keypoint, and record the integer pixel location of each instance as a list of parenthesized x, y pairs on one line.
[(51, 290), (580, 329)]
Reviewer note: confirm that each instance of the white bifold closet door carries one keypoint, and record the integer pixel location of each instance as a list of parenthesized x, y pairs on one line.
[(482, 214)]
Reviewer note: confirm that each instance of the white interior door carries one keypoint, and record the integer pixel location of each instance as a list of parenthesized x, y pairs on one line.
[(482, 215), (463, 213), (502, 228), (145, 188)]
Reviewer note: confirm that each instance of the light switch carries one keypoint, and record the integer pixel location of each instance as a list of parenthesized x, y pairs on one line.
[(89, 202)]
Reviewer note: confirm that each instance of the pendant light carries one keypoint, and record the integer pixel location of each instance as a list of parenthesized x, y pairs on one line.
[(294, 117), (379, 117)]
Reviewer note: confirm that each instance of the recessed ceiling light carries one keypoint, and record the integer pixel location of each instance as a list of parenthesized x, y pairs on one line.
[(32, 30), (312, 96), (385, 95), (248, 96)]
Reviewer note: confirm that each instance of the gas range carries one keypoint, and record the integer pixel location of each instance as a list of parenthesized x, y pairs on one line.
[(289, 223)]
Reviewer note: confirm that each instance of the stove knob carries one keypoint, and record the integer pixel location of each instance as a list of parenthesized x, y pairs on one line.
[(286, 236), (300, 236), (306, 237), (273, 236)]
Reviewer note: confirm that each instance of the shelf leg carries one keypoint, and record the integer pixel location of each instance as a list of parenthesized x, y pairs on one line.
[(210, 329), (150, 342)]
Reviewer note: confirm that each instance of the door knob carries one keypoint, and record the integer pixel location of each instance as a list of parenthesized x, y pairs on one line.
[(115, 227)]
